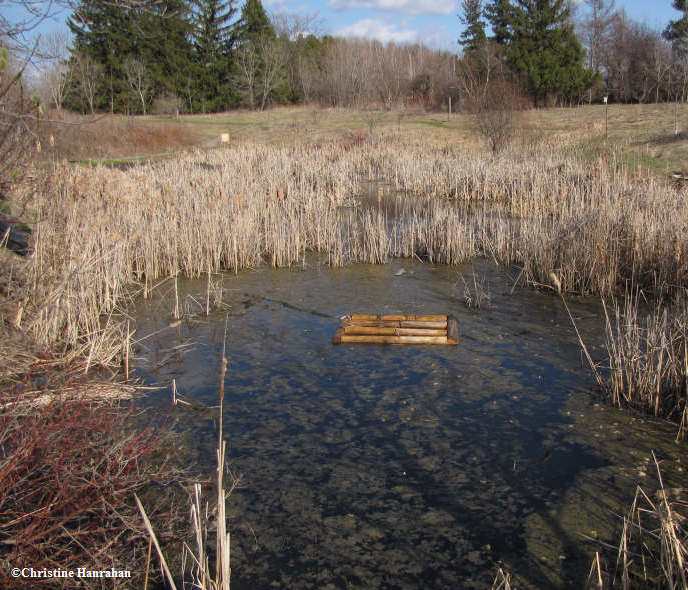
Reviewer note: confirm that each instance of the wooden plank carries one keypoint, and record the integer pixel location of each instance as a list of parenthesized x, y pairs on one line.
[(367, 316), (338, 336), (383, 330), (452, 330), (393, 339), (433, 325)]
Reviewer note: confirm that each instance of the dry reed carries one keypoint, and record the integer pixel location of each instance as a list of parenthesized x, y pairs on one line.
[(200, 571), (100, 234), (653, 547)]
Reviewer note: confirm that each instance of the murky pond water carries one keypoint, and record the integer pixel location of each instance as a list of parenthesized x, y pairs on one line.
[(367, 466)]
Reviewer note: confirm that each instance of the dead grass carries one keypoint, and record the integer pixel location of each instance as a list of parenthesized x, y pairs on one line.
[(640, 136), (76, 137)]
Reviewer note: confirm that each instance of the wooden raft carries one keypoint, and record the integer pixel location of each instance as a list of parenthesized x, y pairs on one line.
[(397, 329)]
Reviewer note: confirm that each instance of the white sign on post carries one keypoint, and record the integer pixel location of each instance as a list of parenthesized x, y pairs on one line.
[(604, 100)]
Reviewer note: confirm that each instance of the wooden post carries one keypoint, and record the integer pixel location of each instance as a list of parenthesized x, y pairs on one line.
[(176, 297), (606, 116), (126, 353)]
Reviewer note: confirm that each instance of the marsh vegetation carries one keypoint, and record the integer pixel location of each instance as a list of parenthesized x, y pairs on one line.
[(564, 214)]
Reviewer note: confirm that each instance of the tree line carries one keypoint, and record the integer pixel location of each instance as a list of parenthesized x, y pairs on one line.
[(211, 55), (565, 52)]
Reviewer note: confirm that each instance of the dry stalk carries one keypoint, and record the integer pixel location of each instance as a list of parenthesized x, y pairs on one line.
[(202, 577), (502, 580)]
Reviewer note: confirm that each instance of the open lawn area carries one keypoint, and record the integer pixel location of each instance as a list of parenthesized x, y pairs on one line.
[(639, 135)]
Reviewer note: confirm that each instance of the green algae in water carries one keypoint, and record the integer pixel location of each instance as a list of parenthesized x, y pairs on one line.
[(409, 466)]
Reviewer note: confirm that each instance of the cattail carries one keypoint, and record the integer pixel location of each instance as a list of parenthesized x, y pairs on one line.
[(677, 250)]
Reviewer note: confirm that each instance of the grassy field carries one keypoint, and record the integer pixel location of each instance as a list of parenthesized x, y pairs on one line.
[(640, 135)]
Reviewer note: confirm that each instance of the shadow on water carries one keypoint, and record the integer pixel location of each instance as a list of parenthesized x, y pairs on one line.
[(399, 467)]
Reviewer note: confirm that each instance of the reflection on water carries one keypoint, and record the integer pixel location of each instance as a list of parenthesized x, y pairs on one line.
[(369, 466)]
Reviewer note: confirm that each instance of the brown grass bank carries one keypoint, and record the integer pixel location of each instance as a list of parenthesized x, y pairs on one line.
[(70, 136)]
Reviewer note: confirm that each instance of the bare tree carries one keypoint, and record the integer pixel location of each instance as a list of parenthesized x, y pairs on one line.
[(496, 115), (294, 26), (274, 60), (88, 74), (18, 117), (55, 73), (595, 28), (248, 62), (302, 65), (138, 79)]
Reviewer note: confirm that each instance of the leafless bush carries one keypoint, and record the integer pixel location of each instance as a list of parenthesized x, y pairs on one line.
[(68, 471), (167, 104), (496, 113), (19, 115)]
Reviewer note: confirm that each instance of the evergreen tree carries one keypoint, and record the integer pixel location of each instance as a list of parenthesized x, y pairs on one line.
[(165, 44), (260, 58), (104, 34), (676, 31), (110, 34), (214, 34), (473, 37), (541, 46), (255, 22), (500, 14)]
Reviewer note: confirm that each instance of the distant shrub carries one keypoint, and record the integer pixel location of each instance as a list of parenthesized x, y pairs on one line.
[(167, 104), (495, 112)]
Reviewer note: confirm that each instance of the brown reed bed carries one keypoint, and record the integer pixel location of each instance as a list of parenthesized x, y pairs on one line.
[(70, 136), (648, 356), (100, 235)]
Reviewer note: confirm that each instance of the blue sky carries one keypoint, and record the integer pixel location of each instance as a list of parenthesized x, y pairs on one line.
[(434, 22)]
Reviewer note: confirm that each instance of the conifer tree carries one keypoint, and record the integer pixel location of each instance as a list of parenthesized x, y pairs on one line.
[(676, 31), (106, 35), (541, 46), (255, 22), (473, 37), (214, 34), (500, 14), (260, 55), (110, 33)]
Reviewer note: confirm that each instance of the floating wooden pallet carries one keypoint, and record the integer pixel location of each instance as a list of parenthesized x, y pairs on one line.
[(397, 329)]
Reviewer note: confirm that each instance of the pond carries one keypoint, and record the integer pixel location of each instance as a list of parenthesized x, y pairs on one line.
[(365, 466)]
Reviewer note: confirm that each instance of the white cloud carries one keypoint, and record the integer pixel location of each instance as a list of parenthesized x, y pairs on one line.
[(373, 28), (407, 6), (437, 38)]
